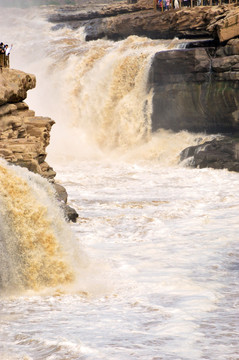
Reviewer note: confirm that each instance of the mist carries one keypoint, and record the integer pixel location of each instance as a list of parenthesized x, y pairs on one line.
[(30, 3)]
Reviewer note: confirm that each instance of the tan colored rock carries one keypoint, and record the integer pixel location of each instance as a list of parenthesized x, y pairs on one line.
[(23, 136), (117, 21), (23, 141), (226, 27), (14, 85)]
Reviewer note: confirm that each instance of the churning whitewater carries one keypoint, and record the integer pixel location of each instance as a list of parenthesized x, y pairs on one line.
[(150, 270)]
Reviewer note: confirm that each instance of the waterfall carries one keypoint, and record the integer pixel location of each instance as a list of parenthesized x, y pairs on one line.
[(97, 91), (35, 240)]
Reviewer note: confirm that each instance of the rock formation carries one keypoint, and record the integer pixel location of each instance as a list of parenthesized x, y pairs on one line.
[(122, 20), (196, 89), (24, 136), (216, 154)]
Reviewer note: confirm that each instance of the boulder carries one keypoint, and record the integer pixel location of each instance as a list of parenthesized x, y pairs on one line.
[(216, 154), (14, 85), (226, 27), (70, 213)]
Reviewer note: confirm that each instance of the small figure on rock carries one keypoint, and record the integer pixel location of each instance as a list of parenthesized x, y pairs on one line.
[(2, 56), (7, 53)]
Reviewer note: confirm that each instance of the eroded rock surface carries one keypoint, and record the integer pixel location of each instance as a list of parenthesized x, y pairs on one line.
[(216, 154), (118, 21), (196, 89), (24, 136)]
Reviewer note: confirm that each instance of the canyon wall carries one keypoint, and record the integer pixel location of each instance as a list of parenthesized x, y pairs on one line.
[(24, 136), (196, 89)]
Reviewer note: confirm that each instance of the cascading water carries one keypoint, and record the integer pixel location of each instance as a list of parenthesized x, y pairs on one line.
[(96, 91), (160, 277), (33, 233)]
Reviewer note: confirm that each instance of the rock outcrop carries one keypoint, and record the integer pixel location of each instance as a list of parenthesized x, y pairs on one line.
[(216, 154), (122, 20), (196, 89), (24, 136)]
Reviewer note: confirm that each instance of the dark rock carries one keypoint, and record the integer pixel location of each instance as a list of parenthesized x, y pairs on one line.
[(61, 192), (194, 92), (231, 48), (216, 154), (70, 213), (226, 63)]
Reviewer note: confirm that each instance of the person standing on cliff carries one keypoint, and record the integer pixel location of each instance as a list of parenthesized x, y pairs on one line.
[(7, 53), (2, 56)]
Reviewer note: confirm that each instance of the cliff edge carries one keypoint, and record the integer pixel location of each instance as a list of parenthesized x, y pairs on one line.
[(24, 136)]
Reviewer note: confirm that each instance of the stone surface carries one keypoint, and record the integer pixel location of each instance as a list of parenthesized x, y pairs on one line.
[(24, 136), (118, 21), (70, 213), (226, 27), (194, 91), (216, 154), (14, 85)]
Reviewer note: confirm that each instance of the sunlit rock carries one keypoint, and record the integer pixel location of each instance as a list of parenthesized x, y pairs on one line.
[(24, 136)]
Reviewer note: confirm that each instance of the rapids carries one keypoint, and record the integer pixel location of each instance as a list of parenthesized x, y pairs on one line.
[(150, 270)]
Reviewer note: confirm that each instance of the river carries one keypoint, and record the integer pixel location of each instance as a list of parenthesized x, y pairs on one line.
[(155, 251)]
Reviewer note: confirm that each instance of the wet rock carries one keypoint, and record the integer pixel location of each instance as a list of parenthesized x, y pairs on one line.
[(194, 92), (61, 192), (70, 213), (216, 154)]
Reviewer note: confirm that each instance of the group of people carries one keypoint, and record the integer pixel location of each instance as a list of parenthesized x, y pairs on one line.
[(4, 55), (167, 4)]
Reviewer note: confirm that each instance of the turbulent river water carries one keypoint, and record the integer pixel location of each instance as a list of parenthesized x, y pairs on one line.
[(150, 269)]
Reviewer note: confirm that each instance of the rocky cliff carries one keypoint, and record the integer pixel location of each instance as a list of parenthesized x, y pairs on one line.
[(121, 20), (196, 89), (24, 136)]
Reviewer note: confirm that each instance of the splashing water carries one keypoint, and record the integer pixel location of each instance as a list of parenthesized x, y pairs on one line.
[(97, 92), (33, 233), (168, 234)]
